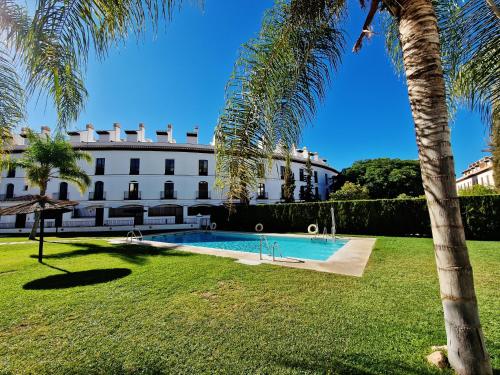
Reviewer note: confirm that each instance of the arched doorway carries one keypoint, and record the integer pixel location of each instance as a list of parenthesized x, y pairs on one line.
[(137, 212), (168, 210)]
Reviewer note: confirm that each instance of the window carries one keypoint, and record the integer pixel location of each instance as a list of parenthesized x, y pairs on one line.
[(316, 176), (134, 166), (99, 166), (283, 191), (133, 190), (282, 172), (11, 172), (261, 192), (169, 166), (301, 175), (168, 192), (316, 192), (98, 191), (203, 167), (203, 190), (326, 179), (63, 191), (9, 192), (25, 187), (261, 171)]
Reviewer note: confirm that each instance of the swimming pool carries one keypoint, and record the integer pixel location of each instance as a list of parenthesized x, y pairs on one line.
[(289, 247)]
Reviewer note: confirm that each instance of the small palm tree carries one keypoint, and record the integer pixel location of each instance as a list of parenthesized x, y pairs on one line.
[(48, 158)]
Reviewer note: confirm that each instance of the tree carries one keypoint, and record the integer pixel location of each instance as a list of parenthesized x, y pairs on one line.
[(289, 62), (350, 191), (48, 158), (384, 178), (50, 50), (289, 181), (306, 192)]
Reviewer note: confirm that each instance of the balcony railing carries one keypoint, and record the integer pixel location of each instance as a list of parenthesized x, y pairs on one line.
[(262, 195), (203, 195), (60, 196), (6, 197), (168, 194), (97, 196), (131, 195)]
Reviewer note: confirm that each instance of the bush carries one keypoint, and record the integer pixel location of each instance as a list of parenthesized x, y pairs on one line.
[(350, 191), (396, 217)]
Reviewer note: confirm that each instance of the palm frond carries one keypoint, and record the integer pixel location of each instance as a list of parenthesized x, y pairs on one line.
[(273, 91), (11, 100), (470, 43), (477, 38)]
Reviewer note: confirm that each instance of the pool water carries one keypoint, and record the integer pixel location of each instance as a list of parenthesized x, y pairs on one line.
[(290, 247)]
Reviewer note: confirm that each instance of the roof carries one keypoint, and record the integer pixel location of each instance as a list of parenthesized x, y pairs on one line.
[(164, 146)]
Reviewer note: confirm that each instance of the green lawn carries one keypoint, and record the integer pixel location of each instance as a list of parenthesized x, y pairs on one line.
[(169, 311)]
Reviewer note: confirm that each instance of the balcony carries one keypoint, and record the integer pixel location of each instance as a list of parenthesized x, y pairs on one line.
[(97, 196), (132, 195), (168, 194), (262, 195), (60, 196), (203, 194)]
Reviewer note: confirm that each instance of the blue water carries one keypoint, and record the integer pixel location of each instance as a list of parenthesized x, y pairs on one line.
[(292, 247)]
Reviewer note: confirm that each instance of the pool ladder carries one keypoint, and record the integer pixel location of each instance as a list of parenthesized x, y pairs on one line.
[(324, 236), (134, 234), (271, 250)]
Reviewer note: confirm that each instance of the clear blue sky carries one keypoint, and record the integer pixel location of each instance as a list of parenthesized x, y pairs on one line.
[(179, 76)]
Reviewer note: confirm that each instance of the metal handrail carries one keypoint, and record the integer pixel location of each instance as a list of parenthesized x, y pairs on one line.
[(132, 235)]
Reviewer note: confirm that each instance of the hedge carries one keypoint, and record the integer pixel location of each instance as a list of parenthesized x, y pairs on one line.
[(394, 217)]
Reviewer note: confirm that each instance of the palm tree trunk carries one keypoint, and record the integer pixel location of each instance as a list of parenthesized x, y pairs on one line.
[(35, 226), (421, 53), (32, 235)]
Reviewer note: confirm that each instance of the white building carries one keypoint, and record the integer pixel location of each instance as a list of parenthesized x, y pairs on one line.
[(151, 185), (480, 172)]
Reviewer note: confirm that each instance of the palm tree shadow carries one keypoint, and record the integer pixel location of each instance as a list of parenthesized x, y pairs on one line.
[(80, 278), (132, 253)]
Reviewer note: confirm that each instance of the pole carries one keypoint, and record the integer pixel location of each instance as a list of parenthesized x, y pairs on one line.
[(40, 243)]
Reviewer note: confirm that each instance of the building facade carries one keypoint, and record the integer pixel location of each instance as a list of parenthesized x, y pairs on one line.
[(150, 185), (477, 173)]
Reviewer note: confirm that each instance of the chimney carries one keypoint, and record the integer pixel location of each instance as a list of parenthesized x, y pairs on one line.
[(89, 133), (141, 134), (115, 137), (165, 136), (45, 130), (170, 134), (192, 137)]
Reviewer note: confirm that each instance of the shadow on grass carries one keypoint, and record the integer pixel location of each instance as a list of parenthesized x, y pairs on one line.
[(81, 278), (137, 254)]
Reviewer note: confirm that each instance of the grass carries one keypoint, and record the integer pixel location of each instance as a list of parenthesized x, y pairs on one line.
[(101, 308)]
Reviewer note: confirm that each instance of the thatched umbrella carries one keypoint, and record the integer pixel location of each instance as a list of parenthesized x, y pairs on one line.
[(38, 203)]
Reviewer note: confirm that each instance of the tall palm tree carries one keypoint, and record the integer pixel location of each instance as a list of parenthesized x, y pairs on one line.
[(289, 63), (47, 158)]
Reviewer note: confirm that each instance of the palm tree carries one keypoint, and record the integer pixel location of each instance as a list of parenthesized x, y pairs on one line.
[(50, 49), (470, 42), (47, 158), (289, 62)]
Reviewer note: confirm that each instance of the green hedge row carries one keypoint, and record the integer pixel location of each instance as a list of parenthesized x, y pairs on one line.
[(396, 217)]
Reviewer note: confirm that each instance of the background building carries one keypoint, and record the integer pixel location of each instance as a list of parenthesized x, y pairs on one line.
[(151, 185), (480, 172)]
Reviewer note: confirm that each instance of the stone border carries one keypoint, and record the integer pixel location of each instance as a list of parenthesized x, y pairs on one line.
[(350, 260)]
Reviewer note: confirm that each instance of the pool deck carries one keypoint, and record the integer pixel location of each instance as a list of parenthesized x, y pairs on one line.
[(350, 259)]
